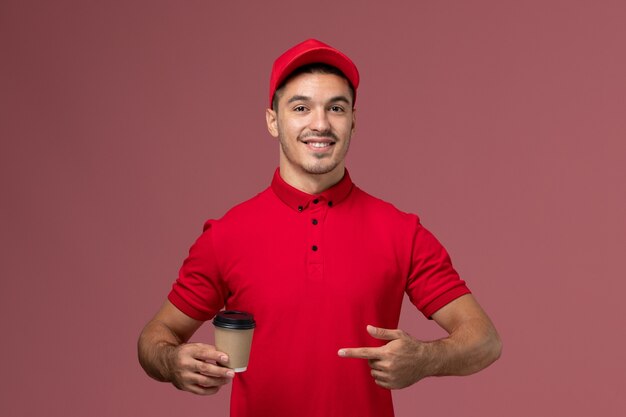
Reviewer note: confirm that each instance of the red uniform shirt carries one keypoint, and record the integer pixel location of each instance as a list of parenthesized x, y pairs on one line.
[(314, 270)]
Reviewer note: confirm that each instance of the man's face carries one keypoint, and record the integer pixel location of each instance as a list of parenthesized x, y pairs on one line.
[(314, 122)]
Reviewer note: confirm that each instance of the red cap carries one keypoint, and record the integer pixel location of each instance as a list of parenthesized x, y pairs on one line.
[(309, 52)]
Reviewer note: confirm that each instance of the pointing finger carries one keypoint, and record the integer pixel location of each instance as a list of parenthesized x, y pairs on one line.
[(360, 353)]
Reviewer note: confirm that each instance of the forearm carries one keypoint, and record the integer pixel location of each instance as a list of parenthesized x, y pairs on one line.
[(468, 349), (155, 347)]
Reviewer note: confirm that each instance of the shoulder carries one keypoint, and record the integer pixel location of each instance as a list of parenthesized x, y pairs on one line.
[(243, 212), (374, 206)]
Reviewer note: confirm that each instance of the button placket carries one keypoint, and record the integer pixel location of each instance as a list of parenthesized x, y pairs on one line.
[(316, 213)]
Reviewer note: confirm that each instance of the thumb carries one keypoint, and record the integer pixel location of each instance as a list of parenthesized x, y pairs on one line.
[(384, 334)]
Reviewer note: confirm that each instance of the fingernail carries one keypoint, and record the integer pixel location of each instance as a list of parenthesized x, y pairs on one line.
[(224, 358), (342, 352), (230, 374)]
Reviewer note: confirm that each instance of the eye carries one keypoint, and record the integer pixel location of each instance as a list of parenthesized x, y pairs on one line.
[(336, 109), (299, 109)]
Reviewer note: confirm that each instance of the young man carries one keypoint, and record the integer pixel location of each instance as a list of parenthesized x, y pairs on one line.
[(323, 267)]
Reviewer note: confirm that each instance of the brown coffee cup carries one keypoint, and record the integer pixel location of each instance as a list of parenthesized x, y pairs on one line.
[(233, 336)]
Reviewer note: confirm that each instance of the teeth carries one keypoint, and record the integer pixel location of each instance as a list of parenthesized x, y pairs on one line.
[(319, 144)]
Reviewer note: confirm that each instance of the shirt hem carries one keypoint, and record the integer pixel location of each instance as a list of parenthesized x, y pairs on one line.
[(444, 299), (186, 308)]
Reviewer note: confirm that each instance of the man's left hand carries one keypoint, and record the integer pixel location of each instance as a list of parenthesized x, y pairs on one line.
[(396, 364)]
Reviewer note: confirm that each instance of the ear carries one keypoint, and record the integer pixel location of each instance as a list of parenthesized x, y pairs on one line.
[(353, 122), (272, 122)]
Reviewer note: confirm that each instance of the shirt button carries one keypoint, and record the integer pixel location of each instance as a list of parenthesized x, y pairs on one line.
[(316, 201), (330, 204), (314, 248), (314, 221), (300, 208)]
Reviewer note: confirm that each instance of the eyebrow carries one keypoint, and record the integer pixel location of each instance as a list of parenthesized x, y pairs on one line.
[(340, 98), (298, 98), (306, 98)]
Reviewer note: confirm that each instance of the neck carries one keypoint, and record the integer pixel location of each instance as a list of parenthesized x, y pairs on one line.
[(311, 183)]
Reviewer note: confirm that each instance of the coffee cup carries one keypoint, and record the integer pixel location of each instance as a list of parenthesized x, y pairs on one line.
[(233, 336)]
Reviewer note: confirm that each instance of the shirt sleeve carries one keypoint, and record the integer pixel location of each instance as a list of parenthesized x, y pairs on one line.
[(433, 282), (199, 291)]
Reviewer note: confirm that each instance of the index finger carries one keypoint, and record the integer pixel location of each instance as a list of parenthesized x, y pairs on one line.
[(360, 353), (208, 353)]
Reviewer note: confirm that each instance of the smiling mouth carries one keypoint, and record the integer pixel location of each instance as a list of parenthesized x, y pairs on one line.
[(318, 145)]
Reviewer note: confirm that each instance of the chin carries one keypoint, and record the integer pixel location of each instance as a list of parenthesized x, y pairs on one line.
[(320, 169)]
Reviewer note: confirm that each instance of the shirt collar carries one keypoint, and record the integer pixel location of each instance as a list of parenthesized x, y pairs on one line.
[(299, 200)]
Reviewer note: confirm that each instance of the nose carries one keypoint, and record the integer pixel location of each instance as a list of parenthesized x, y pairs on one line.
[(319, 120)]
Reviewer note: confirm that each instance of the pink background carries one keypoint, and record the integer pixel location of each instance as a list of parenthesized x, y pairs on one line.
[(126, 124)]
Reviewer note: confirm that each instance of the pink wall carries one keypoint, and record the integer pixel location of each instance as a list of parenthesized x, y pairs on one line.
[(124, 125)]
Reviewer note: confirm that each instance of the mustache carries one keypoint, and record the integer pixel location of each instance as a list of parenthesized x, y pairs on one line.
[(324, 134)]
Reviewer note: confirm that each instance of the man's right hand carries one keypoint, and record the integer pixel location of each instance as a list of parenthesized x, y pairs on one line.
[(198, 368), (165, 355)]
